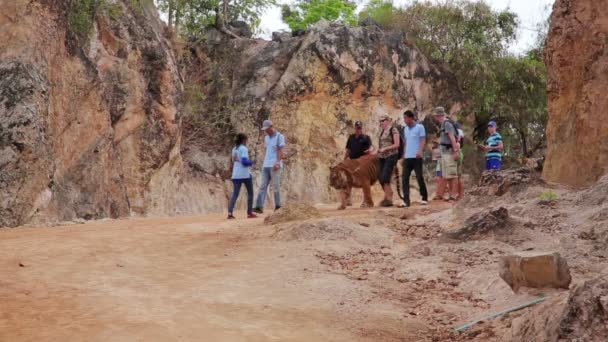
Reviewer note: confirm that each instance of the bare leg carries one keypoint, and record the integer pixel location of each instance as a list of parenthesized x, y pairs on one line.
[(454, 185), (441, 183), (388, 192), (460, 188)]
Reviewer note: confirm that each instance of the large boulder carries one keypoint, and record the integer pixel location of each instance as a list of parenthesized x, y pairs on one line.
[(313, 87), (577, 152), (535, 269)]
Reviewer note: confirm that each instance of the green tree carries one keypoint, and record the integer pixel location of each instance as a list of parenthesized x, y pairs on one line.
[(379, 11), (308, 12), (191, 17)]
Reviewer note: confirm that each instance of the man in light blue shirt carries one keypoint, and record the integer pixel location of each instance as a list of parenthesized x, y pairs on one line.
[(414, 136), (273, 163)]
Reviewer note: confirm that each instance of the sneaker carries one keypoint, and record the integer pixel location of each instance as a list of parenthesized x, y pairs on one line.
[(258, 210), (277, 208), (403, 205), (424, 202), (252, 215), (386, 203), (231, 217)]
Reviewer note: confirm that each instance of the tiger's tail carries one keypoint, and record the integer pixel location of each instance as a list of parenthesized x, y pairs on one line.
[(398, 179)]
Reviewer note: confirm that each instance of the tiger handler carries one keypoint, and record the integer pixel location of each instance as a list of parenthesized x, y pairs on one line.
[(359, 144)]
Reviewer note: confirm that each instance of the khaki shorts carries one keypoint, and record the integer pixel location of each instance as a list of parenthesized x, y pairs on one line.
[(449, 166)]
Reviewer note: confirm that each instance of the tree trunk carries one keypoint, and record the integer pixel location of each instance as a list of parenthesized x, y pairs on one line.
[(170, 14)]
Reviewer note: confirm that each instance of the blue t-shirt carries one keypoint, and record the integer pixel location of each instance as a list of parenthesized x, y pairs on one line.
[(240, 171), (494, 140), (412, 138), (273, 143)]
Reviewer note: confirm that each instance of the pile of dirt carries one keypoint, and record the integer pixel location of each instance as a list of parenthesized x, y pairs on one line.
[(336, 229), (595, 195), (498, 183), (480, 225), (293, 212), (582, 317)]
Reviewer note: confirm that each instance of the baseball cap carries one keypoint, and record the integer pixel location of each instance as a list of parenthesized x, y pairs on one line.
[(266, 125), (439, 111), (358, 124), (384, 117), (492, 123)]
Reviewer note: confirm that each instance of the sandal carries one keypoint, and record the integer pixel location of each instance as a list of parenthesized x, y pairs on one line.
[(231, 217), (386, 203)]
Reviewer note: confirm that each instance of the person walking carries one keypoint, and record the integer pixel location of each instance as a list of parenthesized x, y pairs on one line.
[(241, 174), (357, 145), (273, 163), (493, 148), (450, 154), (388, 154), (415, 142)]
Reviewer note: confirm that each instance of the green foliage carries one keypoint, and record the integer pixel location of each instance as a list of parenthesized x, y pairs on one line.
[(82, 14), (548, 196), (191, 17), (308, 12), (472, 40), (379, 11)]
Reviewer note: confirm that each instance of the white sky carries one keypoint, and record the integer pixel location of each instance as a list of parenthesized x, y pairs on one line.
[(530, 12)]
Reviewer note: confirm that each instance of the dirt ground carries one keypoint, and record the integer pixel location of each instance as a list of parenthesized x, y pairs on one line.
[(354, 275)]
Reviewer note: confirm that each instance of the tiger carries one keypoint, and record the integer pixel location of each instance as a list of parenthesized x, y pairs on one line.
[(355, 173)]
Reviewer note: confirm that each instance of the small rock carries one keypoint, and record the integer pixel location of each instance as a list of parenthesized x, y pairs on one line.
[(481, 224), (426, 251), (21, 265), (364, 224), (535, 269)]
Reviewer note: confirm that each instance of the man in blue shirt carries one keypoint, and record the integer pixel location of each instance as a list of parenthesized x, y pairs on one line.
[(414, 135), (271, 170), (493, 148)]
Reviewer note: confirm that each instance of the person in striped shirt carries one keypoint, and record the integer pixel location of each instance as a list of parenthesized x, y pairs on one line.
[(493, 148)]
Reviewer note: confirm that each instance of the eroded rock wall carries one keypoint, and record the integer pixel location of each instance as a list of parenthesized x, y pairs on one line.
[(314, 87), (85, 125), (577, 61)]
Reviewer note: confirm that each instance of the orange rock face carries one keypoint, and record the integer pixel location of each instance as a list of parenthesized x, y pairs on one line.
[(577, 59)]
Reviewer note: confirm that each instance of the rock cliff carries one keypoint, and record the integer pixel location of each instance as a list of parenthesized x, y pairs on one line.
[(86, 125), (313, 87), (91, 124), (577, 60)]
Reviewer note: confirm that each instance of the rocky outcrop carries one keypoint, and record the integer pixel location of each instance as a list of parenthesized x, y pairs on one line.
[(580, 317), (87, 126), (577, 60), (313, 87)]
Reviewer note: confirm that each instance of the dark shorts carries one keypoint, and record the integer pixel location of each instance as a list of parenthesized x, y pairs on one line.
[(493, 164), (386, 169)]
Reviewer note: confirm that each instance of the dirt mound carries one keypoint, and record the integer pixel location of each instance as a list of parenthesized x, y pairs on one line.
[(293, 212), (498, 183), (334, 229), (480, 225), (582, 317), (595, 195)]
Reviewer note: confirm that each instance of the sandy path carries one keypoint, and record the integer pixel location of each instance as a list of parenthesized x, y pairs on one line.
[(185, 278)]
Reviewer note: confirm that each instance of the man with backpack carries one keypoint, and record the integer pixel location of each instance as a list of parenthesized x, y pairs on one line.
[(450, 154), (271, 170), (388, 153), (414, 136)]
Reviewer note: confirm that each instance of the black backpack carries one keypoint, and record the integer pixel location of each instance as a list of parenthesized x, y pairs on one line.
[(401, 138)]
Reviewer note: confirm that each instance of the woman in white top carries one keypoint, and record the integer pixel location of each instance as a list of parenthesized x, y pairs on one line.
[(241, 174)]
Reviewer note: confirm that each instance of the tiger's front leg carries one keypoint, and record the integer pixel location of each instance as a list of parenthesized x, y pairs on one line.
[(344, 197)]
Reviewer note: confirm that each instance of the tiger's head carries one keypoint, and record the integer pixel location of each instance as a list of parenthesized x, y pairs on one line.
[(339, 178)]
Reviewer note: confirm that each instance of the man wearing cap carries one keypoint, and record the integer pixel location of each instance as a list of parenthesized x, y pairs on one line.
[(450, 154), (493, 148), (271, 170), (357, 146)]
